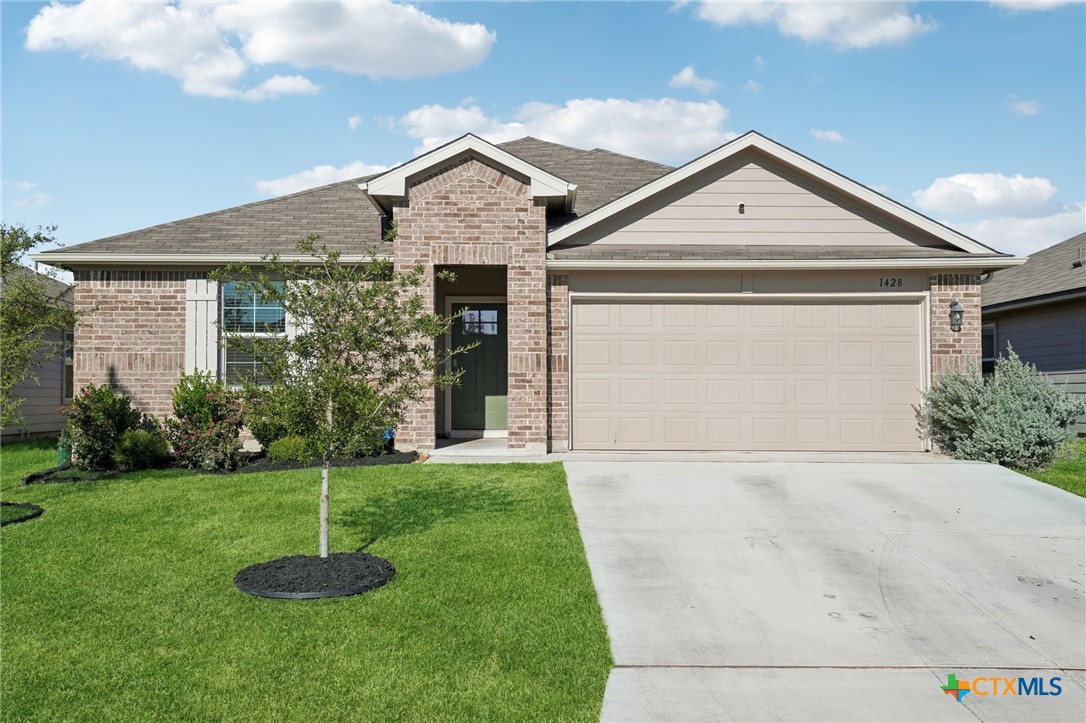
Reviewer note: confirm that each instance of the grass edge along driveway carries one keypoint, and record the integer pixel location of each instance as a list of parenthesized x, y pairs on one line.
[(119, 603), (1067, 473)]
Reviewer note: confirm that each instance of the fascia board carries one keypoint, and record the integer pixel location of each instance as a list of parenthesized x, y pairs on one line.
[(786, 155), (987, 263), (394, 182), (113, 259)]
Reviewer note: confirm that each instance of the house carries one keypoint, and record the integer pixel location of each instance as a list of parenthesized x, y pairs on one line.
[(1039, 310), (751, 299), (53, 388)]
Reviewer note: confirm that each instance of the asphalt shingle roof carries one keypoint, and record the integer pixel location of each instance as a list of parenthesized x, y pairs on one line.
[(1047, 272)]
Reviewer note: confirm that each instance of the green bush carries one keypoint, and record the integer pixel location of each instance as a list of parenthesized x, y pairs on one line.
[(97, 418), (205, 431), (278, 411), (141, 449), (291, 448), (1016, 418)]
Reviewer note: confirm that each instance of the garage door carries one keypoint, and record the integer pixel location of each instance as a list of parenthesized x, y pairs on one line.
[(797, 375)]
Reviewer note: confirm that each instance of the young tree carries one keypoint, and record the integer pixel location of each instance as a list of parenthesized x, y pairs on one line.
[(31, 305), (360, 351)]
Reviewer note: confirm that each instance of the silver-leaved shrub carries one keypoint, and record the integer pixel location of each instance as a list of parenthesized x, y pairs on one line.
[(1017, 418)]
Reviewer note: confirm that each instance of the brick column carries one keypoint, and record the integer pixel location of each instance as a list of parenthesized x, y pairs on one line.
[(954, 350), (558, 350)]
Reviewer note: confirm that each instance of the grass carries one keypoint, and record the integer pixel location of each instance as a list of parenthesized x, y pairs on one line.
[(1068, 473), (118, 603)]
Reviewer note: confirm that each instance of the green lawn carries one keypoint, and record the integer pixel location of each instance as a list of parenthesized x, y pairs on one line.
[(1067, 474), (118, 603)]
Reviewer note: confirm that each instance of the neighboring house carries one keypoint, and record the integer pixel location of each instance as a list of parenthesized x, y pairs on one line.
[(750, 299), (1039, 310), (41, 416)]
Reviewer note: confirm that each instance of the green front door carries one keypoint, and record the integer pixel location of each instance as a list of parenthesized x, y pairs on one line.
[(480, 402)]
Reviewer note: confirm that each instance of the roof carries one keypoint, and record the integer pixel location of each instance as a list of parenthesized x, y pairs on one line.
[(1046, 276), (54, 288)]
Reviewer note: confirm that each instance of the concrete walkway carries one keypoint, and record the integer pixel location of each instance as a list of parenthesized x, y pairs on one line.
[(833, 591)]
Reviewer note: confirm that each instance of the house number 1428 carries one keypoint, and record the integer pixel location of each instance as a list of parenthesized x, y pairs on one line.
[(890, 282)]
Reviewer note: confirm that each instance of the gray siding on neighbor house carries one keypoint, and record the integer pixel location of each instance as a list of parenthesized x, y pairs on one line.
[(40, 413), (1051, 336)]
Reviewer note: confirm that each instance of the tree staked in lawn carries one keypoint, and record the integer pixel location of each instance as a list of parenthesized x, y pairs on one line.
[(360, 346)]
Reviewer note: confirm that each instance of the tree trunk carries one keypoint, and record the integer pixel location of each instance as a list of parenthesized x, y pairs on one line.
[(324, 510)]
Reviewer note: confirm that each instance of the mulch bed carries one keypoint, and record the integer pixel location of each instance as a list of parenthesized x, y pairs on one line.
[(311, 576), (67, 474), (257, 462), (30, 511), (263, 463)]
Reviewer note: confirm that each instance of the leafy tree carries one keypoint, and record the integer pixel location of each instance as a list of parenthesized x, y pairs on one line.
[(31, 305), (360, 353)]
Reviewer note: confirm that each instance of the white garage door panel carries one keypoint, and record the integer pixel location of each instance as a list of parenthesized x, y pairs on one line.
[(802, 375)]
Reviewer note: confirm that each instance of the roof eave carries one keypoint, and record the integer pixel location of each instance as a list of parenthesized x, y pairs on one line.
[(1042, 300), (973, 264), (70, 260)]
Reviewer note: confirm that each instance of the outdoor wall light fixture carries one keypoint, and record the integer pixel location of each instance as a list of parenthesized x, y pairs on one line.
[(742, 208), (957, 312)]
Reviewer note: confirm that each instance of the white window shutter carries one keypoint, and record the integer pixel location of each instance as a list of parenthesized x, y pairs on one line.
[(201, 326)]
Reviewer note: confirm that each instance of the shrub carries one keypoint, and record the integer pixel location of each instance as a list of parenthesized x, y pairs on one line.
[(278, 411), (205, 433), (97, 418), (141, 449), (291, 448), (1017, 418)]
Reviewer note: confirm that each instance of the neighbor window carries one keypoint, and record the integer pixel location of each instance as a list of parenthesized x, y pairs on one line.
[(69, 365), (246, 314), (987, 349), (483, 322)]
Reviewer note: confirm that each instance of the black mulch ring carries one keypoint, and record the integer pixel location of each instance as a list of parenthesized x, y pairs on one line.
[(66, 473), (311, 576), (31, 511), (263, 463)]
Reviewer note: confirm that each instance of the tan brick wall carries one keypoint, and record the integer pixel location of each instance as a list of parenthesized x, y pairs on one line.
[(133, 334), (469, 213), (558, 388), (954, 350)]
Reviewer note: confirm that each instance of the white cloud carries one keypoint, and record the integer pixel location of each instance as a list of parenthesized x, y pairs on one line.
[(212, 47), (687, 78), (751, 86), (972, 193), (842, 24), (316, 176), (353, 122), (827, 136), (1032, 5), (27, 194), (1024, 236), (662, 129), (1023, 107), (759, 63)]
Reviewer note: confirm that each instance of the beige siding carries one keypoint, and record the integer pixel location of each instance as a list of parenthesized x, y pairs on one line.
[(781, 207), (39, 411), (836, 375)]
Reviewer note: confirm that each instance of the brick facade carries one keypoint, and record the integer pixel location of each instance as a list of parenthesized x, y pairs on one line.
[(470, 213), (133, 333), (954, 350), (558, 350)]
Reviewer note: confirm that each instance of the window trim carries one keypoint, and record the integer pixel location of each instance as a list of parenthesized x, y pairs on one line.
[(224, 335), (69, 366)]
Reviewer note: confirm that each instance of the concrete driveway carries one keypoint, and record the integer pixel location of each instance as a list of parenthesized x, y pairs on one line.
[(833, 591)]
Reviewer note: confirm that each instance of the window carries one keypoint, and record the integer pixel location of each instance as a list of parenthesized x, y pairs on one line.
[(245, 314), (480, 323), (69, 365), (987, 349)]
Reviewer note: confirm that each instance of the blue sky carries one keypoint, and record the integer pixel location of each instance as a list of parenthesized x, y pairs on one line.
[(118, 116)]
